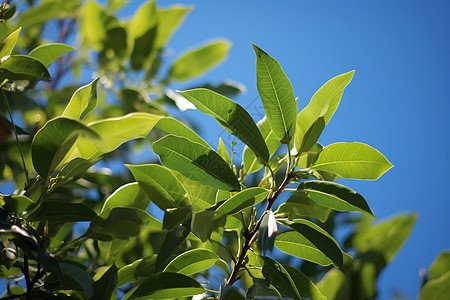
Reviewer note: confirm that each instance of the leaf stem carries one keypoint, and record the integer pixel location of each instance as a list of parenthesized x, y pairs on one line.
[(16, 135)]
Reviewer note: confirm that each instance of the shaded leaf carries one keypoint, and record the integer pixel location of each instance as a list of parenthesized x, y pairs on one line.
[(167, 285), (15, 203), (83, 279), (54, 140), (173, 239), (232, 117), (299, 205), (61, 212), (106, 285), (335, 196), (229, 292), (196, 162), (277, 95), (335, 285), (192, 261), (83, 101), (243, 199), (352, 160), (316, 115), (276, 274), (304, 285), (48, 53), (198, 61)]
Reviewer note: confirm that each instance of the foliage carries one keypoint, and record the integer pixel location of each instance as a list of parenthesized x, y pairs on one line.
[(71, 229)]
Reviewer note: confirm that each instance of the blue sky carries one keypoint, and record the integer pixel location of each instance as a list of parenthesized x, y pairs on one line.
[(397, 102)]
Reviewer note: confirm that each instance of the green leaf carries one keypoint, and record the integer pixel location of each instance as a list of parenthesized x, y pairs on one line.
[(174, 238), (276, 274), (198, 61), (316, 115), (310, 242), (440, 266), (175, 127), (203, 224), (61, 212), (79, 276), (94, 25), (202, 196), (335, 196), (307, 158), (22, 72), (304, 285), (277, 95), (352, 160), (54, 140), (243, 199), (167, 285), (299, 205), (73, 170), (196, 162), (143, 20), (161, 186), (48, 53), (232, 117), (46, 10), (192, 261), (335, 285), (106, 285), (15, 203), (260, 289), (140, 267), (128, 195), (222, 151), (436, 289), (229, 292), (250, 160), (83, 101), (168, 22), (7, 47)]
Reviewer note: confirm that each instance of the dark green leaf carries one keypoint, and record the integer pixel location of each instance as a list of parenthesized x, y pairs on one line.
[(167, 285), (243, 199), (229, 292), (106, 285), (277, 96), (83, 279), (261, 290), (175, 216), (227, 88), (8, 12), (277, 275), (83, 101), (174, 238), (352, 160), (7, 47), (304, 285), (48, 53), (54, 140), (335, 196), (161, 186), (232, 117), (198, 61), (192, 261), (322, 106), (61, 212), (15, 203), (196, 162), (73, 170)]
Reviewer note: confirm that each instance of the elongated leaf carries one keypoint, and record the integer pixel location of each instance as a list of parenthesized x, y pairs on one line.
[(79, 276), (198, 61), (192, 261), (276, 274), (48, 53), (352, 160), (7, 47), (335, 285), (83, 101), (73, 170), (46, 10), (93, 16), (436, 289), (166, 286), (128, 195), (250, 160), (440, 266), (54, 140), (335, 196), (173, 126), (243, 199), (106, 285), (202, 196), (310, 242), (196, 162), (174, 238), (168, 22), (316, 115), (15, 203), (299, 205), (222, 151), (161, 186), (277, 95), (143, 20), (22, 72), (232, 117), (307, 158), (304, 285), (61, 212)]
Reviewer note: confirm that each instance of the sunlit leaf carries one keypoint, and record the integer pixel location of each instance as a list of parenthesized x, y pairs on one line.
[(243, 199), (352, 160), (7, 47), (276, 274), (335, 196), (335, 285), (299, 205), (436, 289), (196, 161), (192, 261), (54, 140), (95, 24), (316, 115), (277, 96), (168, 22), (48, 53), (304, 285), (198, 61), (167, 285), (83, 101), (440, 266), (232, 117), (46, 10), (128, 195), (222, 151)]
